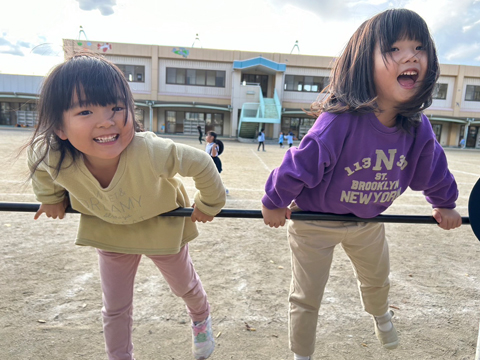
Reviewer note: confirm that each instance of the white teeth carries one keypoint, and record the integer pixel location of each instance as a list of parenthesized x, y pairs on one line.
[(105, 139), (409, 73)]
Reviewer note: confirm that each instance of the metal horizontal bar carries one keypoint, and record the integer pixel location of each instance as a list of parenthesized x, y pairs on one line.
[(257, 214)]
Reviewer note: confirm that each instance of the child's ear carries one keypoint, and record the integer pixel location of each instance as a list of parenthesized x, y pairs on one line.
[(61, 134)]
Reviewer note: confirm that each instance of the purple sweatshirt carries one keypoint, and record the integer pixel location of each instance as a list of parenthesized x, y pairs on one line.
[(353, 164)]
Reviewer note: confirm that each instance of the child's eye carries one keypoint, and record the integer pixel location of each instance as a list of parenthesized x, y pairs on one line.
[(420, 47), (393, 49), (118, 108), (85, 112)]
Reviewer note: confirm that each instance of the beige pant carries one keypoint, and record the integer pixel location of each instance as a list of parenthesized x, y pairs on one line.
[(312, 244)]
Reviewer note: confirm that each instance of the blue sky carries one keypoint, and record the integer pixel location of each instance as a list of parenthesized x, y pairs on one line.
[(31, 32)]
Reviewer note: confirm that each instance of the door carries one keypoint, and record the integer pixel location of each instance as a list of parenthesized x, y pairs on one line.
[(262, 80), (472, 136)]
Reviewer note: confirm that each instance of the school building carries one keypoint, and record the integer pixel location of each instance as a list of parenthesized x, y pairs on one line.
[(235, 93)]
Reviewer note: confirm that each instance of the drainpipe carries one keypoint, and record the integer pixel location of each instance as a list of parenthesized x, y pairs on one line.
[(150, 104)]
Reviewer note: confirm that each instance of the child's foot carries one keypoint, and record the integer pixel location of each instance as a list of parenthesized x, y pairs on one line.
[(203, 342), (385, 330)]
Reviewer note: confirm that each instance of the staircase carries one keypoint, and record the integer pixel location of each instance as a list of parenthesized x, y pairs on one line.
[(248, 130), (270, 108), (253, 114)]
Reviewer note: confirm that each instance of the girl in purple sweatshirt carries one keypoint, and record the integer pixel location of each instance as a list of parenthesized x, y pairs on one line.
[(369, 143)]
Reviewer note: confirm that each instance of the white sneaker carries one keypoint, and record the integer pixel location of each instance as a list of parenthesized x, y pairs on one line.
[(203, 342), (389, 339)]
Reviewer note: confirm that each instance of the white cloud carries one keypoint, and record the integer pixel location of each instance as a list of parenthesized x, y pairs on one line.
[(463, 51), (105, 6), (469, 27), (13, 47)]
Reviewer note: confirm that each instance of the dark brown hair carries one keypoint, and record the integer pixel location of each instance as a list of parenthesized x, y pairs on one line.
[(352, 88), (95, 81), (214, 134)]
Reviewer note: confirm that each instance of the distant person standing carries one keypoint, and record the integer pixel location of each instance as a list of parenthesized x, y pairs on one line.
[(213, 149), (261, 140), (200, 133), (281, 139), (462, 143), (290, 139)]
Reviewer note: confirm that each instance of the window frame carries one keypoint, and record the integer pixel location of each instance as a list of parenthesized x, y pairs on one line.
[(299, 83), (475, 93), (196, 77), (437, 91), (135, 71)]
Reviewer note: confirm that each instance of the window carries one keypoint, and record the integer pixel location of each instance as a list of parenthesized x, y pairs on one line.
[(171, 120), (171, 76), (305, 83), (440, 91), (214, 122), (298, 125), (219, 78), (6, 113), (196, 77), (211, 78), (472, 93), (191, 77), (133, 73), (192, 116), (187, 122), (437, 129), (28, 106), (200, 77), (261, 80), (180, 78)]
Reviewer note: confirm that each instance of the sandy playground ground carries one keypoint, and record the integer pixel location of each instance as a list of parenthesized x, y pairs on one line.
[(51, 299)]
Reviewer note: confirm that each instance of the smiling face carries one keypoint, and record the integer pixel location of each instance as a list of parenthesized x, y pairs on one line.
[(101, 133), (399, 75)]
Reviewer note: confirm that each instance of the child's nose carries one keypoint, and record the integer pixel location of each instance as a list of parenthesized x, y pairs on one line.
[(106, 119), (412, 56)]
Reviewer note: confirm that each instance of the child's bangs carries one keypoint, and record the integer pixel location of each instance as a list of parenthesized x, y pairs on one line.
[(98, 90), (91, 81), (401, 25)]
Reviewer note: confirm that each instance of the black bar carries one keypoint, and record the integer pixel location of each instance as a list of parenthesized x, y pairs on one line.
[(257, 214)]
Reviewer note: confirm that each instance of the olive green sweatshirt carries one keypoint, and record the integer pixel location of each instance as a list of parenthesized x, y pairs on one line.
[(123, 217)]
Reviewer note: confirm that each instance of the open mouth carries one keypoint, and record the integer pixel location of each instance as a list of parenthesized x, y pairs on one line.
[(106, 139), (407, 79)]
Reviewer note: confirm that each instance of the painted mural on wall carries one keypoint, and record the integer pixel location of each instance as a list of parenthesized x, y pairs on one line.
[(104, 47), (181, 51)]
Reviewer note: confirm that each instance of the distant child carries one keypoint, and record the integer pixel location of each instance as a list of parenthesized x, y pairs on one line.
[(200, 134), (290, 139), (261, 140), (369, 143), (88, 151), (281, 138), (212, 149)]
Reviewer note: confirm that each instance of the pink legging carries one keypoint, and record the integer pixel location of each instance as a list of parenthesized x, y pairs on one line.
[(117, 272)]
